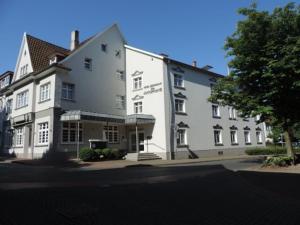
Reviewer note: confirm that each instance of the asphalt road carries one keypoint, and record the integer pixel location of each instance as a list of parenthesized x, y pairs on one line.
[(204, 193)]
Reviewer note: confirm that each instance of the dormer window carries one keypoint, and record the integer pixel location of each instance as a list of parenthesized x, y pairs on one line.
[(24, 70), (53, 60)]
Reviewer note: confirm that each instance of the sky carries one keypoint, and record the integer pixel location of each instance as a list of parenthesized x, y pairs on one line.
[(186, 30)]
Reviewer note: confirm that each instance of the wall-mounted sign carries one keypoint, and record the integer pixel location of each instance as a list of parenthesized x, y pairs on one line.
[(153, 88)]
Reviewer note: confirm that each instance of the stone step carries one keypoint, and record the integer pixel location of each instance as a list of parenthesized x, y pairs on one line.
[(142, 156)]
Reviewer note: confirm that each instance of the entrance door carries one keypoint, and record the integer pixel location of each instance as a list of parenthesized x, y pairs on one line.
[(141, 139)]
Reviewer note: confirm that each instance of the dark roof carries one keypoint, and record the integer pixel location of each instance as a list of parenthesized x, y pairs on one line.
[(6, 74), (168, 60), (41, 50)]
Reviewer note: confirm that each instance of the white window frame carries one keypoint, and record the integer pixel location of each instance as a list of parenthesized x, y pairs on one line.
[(218, 139), (120, 102), (178, 80), (45, 92), (43, 133), (69, 90), (9, 105), (259, 137), (88, 63), (111, 134), (22, 99), (181, 140), (138, 107), (233, 137), (232, 113), (137, 83), (179, 105), (19, 137), (217, 113), (71, 127), (247, 136)]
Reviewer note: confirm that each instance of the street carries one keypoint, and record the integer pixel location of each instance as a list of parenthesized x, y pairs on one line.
[(199, 193)]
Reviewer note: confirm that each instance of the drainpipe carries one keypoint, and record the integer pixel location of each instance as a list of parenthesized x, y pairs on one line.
[(136, 136), (78, 140)]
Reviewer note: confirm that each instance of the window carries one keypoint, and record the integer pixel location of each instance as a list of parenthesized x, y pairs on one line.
[(120, 101), (22, 99), (257, 118), (137, 83), (24, 70), (88, 63), (53, 60), (218, 137), (258, 137), (4, 82), (68, 91), (9, 106), (232, 113), (70, 132), (43, 133), (247, 137), (104, 47), (111, 134), (19, 136), (233, 137), (44, 92), (178, 80), (179, 105), (138, 107), (120, 75), (216, 111), (181, 137)]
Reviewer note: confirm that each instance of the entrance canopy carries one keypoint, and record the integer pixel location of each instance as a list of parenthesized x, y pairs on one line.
[(78, 115), (139, 119)]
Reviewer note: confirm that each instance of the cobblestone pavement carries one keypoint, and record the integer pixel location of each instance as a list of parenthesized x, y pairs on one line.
[(198, 194)]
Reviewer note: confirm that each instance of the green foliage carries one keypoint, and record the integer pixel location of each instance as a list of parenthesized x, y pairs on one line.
[(87, 154), (266, 151), (107, 153), (99, 153), (280, 161)]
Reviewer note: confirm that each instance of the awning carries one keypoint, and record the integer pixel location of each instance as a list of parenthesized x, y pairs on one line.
[(139, 119), (78, 115)]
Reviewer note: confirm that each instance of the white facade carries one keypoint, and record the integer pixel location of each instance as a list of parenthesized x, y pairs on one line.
[(126, 97)]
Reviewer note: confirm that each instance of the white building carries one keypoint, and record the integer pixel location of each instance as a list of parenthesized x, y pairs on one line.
[(131, 99)]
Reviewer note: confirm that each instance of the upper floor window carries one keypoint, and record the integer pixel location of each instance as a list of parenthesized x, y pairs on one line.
[(233, 137), (179, 105), (9, 106), (181, 137), (178, 80), (232, 113), (88, 63), (111, 134), (19, 136), (43, 133), (259, 137), (216, 111), (218, 137), (4, 82), (22, 99), (68, 91), (120, 74), (257, 118), (120, 101), (53, 60), (137, 83), (44, 92), (138, 107), (24, 70), (104, 47), (247, 137)]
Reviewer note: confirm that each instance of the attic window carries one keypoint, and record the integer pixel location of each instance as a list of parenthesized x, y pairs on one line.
[(25, 53), (88, 63), (118, 53), (53, 60), (104, 47)]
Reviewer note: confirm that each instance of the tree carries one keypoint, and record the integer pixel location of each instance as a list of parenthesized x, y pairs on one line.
[(264, 76)]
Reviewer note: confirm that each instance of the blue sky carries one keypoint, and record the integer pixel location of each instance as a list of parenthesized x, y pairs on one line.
[(183, 29)]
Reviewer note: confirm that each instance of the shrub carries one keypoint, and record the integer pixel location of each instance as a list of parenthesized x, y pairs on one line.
[(99, 153), (266, 151), (116, 153), (87, 154), (107, 153), (278, 161)]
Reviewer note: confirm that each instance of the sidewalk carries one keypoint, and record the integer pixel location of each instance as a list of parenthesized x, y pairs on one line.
[(289, 169)]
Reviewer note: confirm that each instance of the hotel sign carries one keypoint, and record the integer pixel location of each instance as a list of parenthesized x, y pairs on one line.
[(153, 88)]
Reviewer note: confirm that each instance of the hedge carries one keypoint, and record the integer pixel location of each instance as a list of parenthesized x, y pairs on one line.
[(267, 151), (87, 154)]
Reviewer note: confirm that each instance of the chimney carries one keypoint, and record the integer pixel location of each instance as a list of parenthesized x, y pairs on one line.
[(194, 64), (74, 40)]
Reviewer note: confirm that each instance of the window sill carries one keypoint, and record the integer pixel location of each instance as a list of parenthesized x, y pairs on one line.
[(232, 119), (42, 145), (181, 88), (181, 113), (47, 100), (259, 143), (139, 89), (69, 100), (219, 144), (234, 144), (217, 117), (247, 143), (21, 107), (18, 146), (182, 146), (71, 143)]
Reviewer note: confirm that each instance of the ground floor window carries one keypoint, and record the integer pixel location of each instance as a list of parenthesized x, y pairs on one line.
[(111, 134), (218, 137), (70, 132), (259, 137), (233, 137), (247, 137), (43, 133), (19, 136), (181, 137)]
